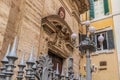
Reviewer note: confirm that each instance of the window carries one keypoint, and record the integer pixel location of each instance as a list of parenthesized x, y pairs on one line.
[(105, 45), (98, 8), (108, 42)]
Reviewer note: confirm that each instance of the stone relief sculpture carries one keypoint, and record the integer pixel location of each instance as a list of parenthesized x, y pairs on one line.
[(59, 33)]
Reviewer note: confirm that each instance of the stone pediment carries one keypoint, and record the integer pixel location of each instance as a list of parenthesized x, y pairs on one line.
[(54, 20), (59, 34)]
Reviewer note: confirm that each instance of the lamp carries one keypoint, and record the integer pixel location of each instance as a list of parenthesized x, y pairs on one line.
[(74, 36), (101, 38), (91, 29), (86, 45), (93, 67), (84, 67), (87, 23)]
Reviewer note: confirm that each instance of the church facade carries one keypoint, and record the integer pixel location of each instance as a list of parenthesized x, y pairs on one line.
[(45, 24)]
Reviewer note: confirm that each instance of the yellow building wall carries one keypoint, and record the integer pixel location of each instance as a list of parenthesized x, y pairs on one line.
[(111, 72), (102, 23)]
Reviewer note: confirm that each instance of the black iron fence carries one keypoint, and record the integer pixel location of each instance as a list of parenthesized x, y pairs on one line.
[(40, 69)]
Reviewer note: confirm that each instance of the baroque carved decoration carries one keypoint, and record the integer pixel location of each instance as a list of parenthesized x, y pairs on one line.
[(44, 68), (59, 34)]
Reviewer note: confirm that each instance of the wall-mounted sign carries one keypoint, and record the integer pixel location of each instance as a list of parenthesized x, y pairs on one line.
[(61, 12)]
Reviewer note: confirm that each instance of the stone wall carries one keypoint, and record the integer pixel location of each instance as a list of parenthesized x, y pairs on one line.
[(22, 18), (4, 15)]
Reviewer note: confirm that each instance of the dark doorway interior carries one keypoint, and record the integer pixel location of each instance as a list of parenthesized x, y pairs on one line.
[(56, 59)]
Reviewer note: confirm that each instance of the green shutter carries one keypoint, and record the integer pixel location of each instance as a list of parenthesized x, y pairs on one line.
[(91, 12), (110, 39), (106, 7)]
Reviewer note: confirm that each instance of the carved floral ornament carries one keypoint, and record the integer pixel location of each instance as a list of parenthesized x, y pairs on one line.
[(59, 34)]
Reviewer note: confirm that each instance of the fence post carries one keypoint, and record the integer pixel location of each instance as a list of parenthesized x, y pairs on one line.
[(4, 61), (67, 77), (77, 76), (21, 67), (12, 57), (62, 74), (33, 72), (30, 63), (57, 73)]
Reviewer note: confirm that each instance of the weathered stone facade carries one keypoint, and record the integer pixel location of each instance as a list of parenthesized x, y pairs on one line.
[(36, 22)]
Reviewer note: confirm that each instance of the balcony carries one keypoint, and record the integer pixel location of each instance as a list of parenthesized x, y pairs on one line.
[(83, 5)]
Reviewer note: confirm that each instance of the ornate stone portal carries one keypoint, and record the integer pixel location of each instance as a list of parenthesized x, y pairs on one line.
[(59, 39), (59, 33)]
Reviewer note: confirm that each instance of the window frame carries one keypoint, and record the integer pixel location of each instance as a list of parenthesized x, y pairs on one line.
[(106, 37)]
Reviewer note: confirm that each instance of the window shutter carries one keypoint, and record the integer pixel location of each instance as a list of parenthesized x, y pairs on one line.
[(110, 39), (91, 11), (106, 7)]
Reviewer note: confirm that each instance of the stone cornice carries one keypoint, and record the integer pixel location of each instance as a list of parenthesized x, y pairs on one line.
[(106, 16)]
